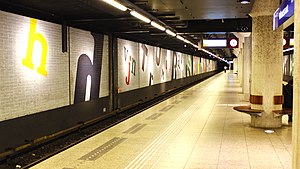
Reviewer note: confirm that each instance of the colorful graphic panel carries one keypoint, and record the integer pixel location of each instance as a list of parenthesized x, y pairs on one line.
[(188, 65), (128, 63), (34, 70), (146, 53), (196, 62), (89, 65), (178, 65)]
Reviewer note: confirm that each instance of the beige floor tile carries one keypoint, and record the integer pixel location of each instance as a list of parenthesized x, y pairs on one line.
[(211, 135), (169, 164), (201, 166), (229, 166), (203, 160)]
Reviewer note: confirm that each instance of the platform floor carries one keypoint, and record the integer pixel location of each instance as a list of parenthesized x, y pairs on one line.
[(196, 129)]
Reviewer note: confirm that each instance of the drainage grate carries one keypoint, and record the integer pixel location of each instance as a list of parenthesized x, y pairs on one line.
[(103, 149), (154, 116), (135, 128), (176, 102), (167, 108)]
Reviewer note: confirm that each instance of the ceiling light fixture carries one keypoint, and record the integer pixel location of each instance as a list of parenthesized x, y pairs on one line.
[(157, 26), (244, 1), (180, 37), (208, 52), (195, 46), (140, 16), (170, 32), (187, 41), (116, 4)]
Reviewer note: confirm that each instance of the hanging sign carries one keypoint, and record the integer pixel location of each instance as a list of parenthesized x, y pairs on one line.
[(214, 43), (233, 43), (283, 13)]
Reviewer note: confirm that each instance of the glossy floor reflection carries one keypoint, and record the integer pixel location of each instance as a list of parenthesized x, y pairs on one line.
[(196, 129)]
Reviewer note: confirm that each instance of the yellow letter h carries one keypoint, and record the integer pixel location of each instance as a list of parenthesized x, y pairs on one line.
[(33, 36)]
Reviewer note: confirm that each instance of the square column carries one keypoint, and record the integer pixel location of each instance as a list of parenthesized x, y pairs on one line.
[(296, 88), (247, 67), (267, 59)]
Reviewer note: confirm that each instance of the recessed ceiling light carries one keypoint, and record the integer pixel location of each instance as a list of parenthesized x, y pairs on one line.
[(244, 1), (170, 32), (269, 131), (140, 16), (116, 4), (158, 26)]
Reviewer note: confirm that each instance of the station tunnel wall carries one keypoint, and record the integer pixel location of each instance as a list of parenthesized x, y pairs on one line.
[(45, 90)]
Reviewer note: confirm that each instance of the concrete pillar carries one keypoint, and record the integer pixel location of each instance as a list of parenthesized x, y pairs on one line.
[(241, 66), (247, 67), (235, 65), (296, 87), (267, 59)]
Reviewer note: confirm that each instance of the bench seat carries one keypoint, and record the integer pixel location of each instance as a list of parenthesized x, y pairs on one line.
[(248, 110), (284, 111)]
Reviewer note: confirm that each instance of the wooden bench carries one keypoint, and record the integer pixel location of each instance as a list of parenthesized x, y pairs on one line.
[(282, 112), (248, 110), (277, 113)]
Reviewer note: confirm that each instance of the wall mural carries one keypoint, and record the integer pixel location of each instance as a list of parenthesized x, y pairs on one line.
[(196, 62), (128, 65), (157, 66), (203, 62), (86, 68), (158, 54), (209, 65), (168, 68), (160, 68), (36, 37), (180, 67), (154, 65), (163, 70), (151, 77), (144, 55), (188, 66), (174, 65), (131, 69), (34, 70), (79, 75), (147, 65)]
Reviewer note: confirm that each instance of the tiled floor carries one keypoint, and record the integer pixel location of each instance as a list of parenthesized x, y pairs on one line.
[(196, 129)]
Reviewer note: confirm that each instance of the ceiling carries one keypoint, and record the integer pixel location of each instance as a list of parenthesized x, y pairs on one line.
[(193, 19)]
